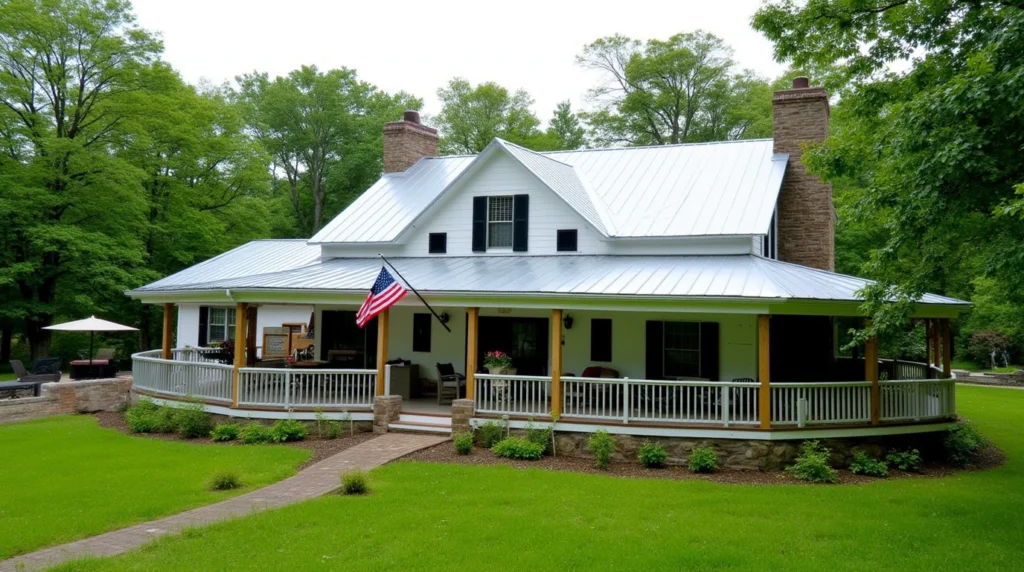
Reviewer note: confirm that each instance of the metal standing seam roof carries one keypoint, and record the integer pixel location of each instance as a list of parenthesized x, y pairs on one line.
[(705, 189), (256, 257), (735, 276)]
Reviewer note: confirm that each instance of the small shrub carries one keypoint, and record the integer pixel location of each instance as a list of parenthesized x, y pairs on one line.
[(961, 443), (192, 421), (518, 448), (254, 434), (812, 464), (488, 434), (652, 455), (332, 430), (287, 430), (141, 418), (464, 443), (225, 480), (354, 482), (225, 432), (539, 435), (601, 445), (703, 460), (909, 460), (165, 420), (864, 464)]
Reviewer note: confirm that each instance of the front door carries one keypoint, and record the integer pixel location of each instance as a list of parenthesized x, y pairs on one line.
[(525, 339)]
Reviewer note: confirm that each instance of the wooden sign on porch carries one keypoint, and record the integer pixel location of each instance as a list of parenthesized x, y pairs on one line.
[(275, 343)]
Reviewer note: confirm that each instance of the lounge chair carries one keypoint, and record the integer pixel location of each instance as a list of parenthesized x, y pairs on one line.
[(28, 380), (448, 379)]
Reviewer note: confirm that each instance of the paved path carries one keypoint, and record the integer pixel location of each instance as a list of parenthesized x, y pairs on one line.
[(316, 480)]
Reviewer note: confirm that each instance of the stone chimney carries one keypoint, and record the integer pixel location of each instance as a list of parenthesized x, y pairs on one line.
[(407, 141), (805, 214)]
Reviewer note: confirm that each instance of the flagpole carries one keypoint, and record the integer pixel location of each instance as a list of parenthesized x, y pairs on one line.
[(388, 262)]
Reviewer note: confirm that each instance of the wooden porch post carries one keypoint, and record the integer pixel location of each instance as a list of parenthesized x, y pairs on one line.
[(556, 362), (871, 374), (240, 331), (936, 336), (472, 335), (165, 347), (382, 349), (250, 336), (947, 350), (763, 372)]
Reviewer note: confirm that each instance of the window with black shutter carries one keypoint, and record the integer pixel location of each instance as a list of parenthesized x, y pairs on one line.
[(567, 240), (421, 332), (600, 339), (438, 243), (682, 350)]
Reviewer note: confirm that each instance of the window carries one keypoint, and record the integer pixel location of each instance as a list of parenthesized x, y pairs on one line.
[(438, 243), (499, 222), (600, 339), (221, 326), (567, 240), (770, 242), (682, 349), (421, 332)]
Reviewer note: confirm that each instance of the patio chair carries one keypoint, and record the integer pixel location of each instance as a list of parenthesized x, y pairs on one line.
[(25, 377), (46, 365), (448, 379), (105, 354)]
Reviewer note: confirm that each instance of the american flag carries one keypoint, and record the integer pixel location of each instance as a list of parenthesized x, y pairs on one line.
[(384, 294)]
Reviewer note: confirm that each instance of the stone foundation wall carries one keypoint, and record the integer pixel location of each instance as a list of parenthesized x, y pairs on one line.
[(386, 409), (743, 455), (462, 412), (66, 397)]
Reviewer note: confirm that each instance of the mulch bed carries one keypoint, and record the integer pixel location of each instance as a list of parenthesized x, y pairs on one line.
[(321, 448), (989, 457)]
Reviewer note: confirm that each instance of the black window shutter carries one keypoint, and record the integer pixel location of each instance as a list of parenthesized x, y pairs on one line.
[(709, 344), (204, 325), (421, 332), (520, 222), (655, 349), (479, 224), (600, 339)]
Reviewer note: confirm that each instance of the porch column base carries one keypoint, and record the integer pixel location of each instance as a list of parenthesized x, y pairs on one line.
[(462, 412), (386, 409)]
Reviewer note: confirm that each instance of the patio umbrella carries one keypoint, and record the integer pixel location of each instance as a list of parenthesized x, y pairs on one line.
[(92, 324)]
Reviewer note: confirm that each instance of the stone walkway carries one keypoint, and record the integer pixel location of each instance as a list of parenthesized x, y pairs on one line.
[(314, 481)]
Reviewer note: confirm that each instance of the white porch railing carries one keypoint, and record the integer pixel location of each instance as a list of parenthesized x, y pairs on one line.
[(204, 380), (201, 355), (910, 370), (287, 388), (832, 403), (512, 394), (918, 399)]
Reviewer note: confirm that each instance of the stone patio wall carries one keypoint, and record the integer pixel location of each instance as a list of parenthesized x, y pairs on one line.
[(66, 397)]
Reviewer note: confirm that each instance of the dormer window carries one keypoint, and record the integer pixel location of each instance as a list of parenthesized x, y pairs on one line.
[(499, 222)]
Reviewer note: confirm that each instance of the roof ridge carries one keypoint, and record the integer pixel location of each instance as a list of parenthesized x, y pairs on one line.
[(668, 146)]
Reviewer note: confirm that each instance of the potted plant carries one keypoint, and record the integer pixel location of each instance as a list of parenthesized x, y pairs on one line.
[(497, 362)]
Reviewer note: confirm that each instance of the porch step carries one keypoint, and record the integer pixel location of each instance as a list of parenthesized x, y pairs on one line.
[(428, 419), (421, 427)]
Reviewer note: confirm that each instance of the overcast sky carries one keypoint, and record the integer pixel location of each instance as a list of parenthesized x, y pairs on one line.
[(419, 46)]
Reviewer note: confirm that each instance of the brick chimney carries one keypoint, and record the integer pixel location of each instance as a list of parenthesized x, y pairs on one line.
[(805, 215), (407, 141)]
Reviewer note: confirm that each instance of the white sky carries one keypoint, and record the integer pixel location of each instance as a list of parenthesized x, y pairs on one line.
[(418, 46)]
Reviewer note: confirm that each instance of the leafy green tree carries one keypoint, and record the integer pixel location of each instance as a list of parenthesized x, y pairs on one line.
[(72, 218), (471, 117), (565, 131), (323, 131), (679, 90), (935, 150)]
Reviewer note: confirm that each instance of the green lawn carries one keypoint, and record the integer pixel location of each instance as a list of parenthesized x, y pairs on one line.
[(434, 517), (8, 376), (976, 368), (64, 478)]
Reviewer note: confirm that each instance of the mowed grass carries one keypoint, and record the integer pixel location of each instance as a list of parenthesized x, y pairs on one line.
[(65, 478), (436, 517)]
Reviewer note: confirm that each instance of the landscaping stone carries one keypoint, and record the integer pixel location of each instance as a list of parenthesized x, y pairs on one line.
[(386, 409), (462, 412), (65, 397)]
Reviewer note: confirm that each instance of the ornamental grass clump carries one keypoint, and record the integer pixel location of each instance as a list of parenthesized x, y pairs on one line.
[(225, 481), (602, 446), (652, 455), (864, 464), (463, 443), (703, 460), (518, 448), (812, 464), (354, 482)]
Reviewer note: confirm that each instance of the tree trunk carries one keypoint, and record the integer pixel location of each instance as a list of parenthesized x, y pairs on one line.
[(6, 331), (39, 339), (145, 325)]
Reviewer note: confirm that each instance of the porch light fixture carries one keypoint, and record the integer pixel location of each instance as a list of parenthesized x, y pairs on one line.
[(444, 317), (567, 322)]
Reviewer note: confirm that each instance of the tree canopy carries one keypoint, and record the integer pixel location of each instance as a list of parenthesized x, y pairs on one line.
[(472, 116)]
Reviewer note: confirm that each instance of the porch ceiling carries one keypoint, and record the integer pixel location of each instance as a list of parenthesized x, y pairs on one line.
[(723, 278)]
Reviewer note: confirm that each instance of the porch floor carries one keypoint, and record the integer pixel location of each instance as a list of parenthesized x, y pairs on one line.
[(426, 406)]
